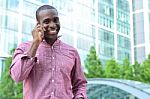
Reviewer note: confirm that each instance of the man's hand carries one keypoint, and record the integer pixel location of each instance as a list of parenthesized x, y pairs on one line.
[(38, 33)]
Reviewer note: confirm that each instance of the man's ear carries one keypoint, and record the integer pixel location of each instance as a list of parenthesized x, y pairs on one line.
[(37, 22)]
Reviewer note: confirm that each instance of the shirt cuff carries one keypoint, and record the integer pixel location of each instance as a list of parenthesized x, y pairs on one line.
[(80, 96), (33, 59)]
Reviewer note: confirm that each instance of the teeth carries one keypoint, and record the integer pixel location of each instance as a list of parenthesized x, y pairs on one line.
[(53, 31)]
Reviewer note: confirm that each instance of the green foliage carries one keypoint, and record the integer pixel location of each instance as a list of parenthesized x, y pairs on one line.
[(112, 69), (93, 64), (136, 71), (145, 70), (126, 71), (8, 88)]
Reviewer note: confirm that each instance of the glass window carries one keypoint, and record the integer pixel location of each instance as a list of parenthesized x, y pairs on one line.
[(149, 25), (124, 48), (86, 29), (83, 55), (106, 49), (43, 1), (137, 4), (66, 22), (2, 21), (139, 54), (11, 39), (84, 44), (67, 37), (63, 5), (89, 3), (123, 21), (26, 37), (138, 28), (29, 9), (2, 64), (84, 12), (27, 25), (106, 9), (2, 3), (106, 21), (123, 4), (106, 43), (106, 36), (108, 1), (12, 5), (12, 22), (0, 68), (149, 4), (124, 42), (123, 16), (122, 54)]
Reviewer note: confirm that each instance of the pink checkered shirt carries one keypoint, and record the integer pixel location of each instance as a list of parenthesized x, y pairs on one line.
[(54, 73)]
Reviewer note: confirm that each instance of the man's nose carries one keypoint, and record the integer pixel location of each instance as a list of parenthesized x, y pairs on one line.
[(52, 25)]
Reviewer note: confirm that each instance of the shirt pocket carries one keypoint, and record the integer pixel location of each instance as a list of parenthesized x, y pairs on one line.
[(66, 63)]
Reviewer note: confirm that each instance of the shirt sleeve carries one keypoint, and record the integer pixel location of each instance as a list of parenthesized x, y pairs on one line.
[(78, 79), (21, 65)]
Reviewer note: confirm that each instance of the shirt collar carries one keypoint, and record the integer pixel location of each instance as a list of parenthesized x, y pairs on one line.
[(56, 43)]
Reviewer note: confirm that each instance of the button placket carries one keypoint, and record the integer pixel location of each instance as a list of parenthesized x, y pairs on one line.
[(52, 80), (52, 93), (53, 70)]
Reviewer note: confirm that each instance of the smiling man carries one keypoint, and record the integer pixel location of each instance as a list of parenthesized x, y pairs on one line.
[(49, 68)]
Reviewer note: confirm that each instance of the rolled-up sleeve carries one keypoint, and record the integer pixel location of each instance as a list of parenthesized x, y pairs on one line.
[(22, 64), (79, 82)]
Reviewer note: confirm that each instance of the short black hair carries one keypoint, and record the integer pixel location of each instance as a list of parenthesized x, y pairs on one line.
[(43, 7)]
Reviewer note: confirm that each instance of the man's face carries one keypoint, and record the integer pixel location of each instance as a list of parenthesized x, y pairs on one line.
[(49, 20)]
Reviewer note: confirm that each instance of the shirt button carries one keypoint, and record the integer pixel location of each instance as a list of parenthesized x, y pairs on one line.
[(38, 61), (52, 80), (53, 69), (52, 93), (31, 58)]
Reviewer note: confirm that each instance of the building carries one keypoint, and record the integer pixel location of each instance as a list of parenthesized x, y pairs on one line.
[(141, 30), (115, 36), (103, 23)]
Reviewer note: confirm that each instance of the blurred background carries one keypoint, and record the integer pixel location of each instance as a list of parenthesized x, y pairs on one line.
[(111, 36)]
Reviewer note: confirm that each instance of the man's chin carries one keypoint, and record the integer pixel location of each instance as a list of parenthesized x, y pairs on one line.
[(50, 37)]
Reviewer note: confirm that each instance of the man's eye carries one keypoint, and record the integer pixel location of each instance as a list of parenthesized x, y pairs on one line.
[(46, 22), (56, 20)]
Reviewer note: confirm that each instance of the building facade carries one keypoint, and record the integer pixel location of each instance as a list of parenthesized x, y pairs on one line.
[(102, 23), (115, 36), (141, 21)]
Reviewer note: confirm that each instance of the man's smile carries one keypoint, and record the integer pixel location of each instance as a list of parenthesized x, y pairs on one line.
[(52, 32)]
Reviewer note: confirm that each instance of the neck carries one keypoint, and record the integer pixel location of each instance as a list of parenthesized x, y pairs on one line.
[(50, 41)]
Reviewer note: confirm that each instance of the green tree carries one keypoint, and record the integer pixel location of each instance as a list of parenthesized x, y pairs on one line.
[(112, 69), (126, 70), (145, 70), (93, 64), (136, 71), (8, 88)]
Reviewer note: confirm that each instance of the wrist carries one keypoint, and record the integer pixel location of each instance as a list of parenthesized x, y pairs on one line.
[(36, 41)]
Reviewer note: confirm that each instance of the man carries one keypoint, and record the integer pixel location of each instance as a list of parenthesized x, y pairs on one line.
[(49, 68)]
